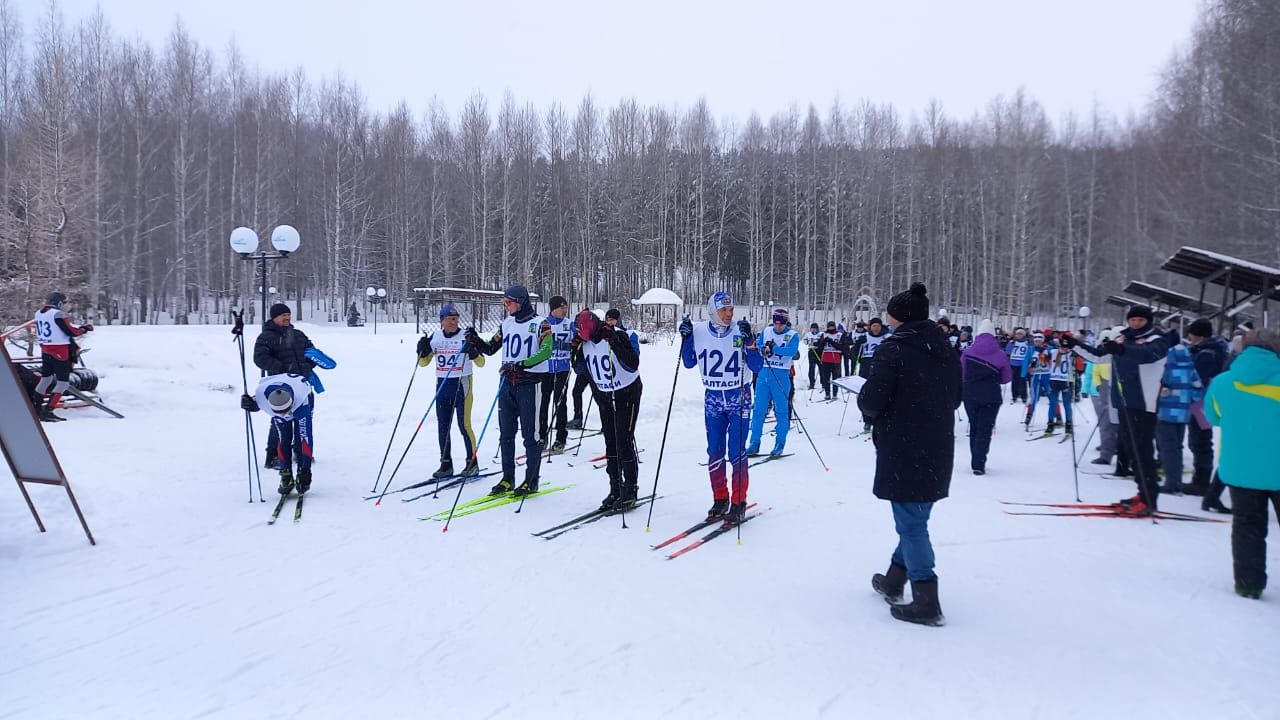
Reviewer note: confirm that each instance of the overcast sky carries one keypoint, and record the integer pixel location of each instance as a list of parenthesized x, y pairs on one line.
[(741, 56)]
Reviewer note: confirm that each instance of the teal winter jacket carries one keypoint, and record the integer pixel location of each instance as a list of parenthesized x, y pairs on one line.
[(1245, 402)]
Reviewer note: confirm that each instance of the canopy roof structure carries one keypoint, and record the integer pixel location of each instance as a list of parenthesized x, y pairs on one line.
[(1243, 282), (658, 296), (1170, 298)]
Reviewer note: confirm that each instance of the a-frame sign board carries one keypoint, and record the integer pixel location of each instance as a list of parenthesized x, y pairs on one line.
[(26, 447)]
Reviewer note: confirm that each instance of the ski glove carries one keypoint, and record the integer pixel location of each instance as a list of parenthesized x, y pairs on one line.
[(514, 373), (768, 348), (247, 403), (471, 336), (686, 328), (424, 346), (744, 327)]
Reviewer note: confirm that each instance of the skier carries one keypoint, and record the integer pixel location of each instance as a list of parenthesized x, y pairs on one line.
[(832, 355), (613, 363), (287, 398), (281, 348), (847, 339), (1018, 349), (865, 351), (813, 342), (724, 351), (778, 348), (1180, 387), (913, 390), (1138, 356), (581, 379), (58, 353), (1061, 382), (525, 340), (454, 359), (1037, 365), (554, 376)]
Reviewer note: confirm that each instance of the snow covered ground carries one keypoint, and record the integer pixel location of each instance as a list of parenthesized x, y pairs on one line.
[(191, 606)]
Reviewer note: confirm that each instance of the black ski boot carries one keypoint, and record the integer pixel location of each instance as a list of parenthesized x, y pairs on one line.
[(1214, 505), (737, 512), (1067, 429), (557, 448), (718, 509), (891, 583), (304, 480), (627, 498), (286, 482), (528, 487), (574, 424), (615, 492), (46, 415), (472, 468), (924, 608), (446, 470), (503, 487)]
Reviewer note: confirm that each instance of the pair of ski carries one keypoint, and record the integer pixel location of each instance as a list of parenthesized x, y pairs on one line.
[(587, 518), (443, 482), (1091, 510), (297, 509), (452, 482), (766, 458), (1065, 437), (489, 502), (724, 528)]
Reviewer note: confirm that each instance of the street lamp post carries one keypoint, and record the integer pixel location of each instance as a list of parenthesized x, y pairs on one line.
[(376, 297), (244, 241)]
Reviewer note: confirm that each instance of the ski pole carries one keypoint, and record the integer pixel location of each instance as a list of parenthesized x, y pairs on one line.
[(251, 442), (807, 435), (395, 427), (418, 429), (1075, 464), (666, 426), (842, 414), (475, 453), (583, 433), (1087, 440)]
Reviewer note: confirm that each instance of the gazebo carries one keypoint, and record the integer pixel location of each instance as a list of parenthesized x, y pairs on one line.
[(651, 305)]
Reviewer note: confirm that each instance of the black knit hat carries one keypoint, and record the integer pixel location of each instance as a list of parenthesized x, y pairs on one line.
[(280, 309), (557, 302), (613, 314), (1141, 311), (1200, 328), (912, 305)]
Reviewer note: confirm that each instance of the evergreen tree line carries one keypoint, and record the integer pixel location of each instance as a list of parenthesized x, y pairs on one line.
[(124, 168)]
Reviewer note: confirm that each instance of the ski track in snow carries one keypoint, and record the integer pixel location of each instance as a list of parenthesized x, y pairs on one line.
[(192, 607)]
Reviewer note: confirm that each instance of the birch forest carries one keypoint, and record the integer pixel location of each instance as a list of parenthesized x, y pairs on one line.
[(125, 166)]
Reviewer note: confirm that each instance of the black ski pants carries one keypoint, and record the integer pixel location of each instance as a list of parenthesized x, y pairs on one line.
[(1249, 519), (1201, 443), (554, 388), (619, 410), (982, 421), (1138, 436), (1019, 386)]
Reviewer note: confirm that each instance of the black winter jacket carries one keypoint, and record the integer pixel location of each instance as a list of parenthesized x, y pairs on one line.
[(282, 350), (911, 398)]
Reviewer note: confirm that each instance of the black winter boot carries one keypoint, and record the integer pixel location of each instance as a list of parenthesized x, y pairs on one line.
[(304, 480), (1214, 505), (446, 469), (890, 584), (718, 509), (286, 482), (627, 498), (615, 492), (924, 608)]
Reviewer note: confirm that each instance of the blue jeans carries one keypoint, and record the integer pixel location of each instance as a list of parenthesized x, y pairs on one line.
[(1169, 443), (914, 551)]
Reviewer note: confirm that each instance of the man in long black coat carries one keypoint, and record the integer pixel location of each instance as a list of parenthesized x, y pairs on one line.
[(911, 398)]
